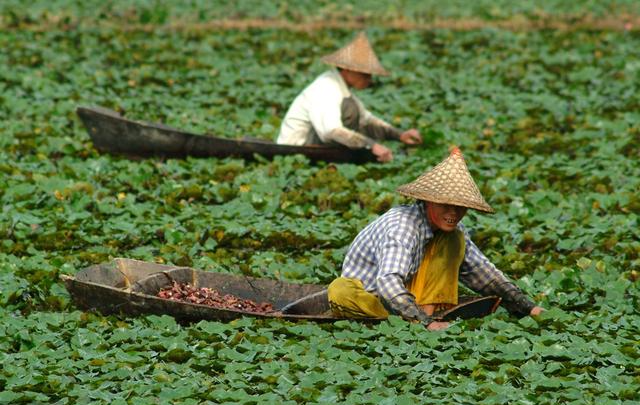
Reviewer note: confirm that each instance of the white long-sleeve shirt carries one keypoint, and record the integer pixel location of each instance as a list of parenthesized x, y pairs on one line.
[(315, 114)]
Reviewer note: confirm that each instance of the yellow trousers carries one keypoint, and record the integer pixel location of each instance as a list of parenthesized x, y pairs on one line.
[(434, 285)]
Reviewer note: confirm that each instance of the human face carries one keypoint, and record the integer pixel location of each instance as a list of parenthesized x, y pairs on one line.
[(357, 80), (444, 217)]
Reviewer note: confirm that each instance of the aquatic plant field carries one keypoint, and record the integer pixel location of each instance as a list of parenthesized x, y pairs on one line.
[(543, 100)]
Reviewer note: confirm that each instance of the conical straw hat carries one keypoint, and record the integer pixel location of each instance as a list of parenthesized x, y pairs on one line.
[(358, 55), (448, 183)]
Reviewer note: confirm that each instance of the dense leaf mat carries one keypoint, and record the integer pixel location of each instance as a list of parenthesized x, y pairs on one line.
[(549, 123), (13, 13)]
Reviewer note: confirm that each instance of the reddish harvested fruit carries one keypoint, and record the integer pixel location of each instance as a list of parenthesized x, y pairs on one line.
[(185, 292)]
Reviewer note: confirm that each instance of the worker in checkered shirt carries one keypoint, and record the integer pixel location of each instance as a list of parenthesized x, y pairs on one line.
[(409, 261)]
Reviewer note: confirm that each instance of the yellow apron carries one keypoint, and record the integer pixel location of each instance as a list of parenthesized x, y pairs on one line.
[(434, 285)]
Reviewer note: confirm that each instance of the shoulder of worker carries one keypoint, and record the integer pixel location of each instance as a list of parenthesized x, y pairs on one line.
[(403, 219), (328, 84)]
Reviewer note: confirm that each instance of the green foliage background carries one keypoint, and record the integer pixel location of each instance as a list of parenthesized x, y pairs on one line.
[(549, 123)]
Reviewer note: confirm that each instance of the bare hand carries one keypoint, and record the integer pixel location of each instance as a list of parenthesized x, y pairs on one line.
[(383, 153), (536, 311), (438, 325), (411, 137)]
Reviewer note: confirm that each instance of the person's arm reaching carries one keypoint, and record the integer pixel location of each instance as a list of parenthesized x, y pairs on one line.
[(380, 129), (479, 274), (326, 121), (355, 140), (348, 138)]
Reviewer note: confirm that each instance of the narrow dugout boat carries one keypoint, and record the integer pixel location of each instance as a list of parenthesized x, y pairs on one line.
[(115, 134), (130, 287)]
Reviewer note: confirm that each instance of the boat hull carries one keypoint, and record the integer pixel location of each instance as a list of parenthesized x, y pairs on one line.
[(130, 287), (112, 133)]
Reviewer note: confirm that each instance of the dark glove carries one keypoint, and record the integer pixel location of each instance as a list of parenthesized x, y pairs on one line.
[(405, 306)]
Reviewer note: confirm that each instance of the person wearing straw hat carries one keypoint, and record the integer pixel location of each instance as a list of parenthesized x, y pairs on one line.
[(409, 260), (326, 111)]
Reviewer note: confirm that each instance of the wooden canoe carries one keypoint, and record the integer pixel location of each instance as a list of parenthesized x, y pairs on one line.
[(115, 134), (130, 287)]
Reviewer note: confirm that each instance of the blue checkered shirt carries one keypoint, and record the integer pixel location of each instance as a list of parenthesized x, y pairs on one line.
[(387, 253)]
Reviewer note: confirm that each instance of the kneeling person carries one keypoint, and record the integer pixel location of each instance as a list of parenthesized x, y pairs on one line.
[(408, 261), (326, 111)]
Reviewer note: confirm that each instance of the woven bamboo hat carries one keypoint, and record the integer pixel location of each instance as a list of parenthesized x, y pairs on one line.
[(448, 183), (358, 55)]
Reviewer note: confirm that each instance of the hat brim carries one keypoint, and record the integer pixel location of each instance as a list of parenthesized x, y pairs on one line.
[(424, 196)]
